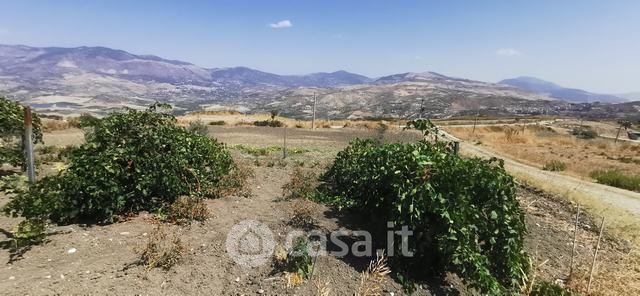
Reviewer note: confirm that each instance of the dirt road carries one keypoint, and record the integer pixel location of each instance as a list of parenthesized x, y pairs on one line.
[(614, 197)]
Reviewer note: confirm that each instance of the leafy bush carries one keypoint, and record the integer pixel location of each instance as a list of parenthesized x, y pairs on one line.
[(617, 179), (12, 131), (187, 209), (131, 161), (584, 132), (464, 212), (555, 166)]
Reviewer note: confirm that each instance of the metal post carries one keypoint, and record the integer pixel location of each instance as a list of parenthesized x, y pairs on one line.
[(595, 257), (313, 119), (28, 145), (284, 144)]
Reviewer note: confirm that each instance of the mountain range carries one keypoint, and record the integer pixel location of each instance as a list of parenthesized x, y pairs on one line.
[(559, 92), (100, 79)]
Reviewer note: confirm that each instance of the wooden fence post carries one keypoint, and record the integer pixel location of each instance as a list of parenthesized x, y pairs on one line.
[(284, 144), (28, 145)]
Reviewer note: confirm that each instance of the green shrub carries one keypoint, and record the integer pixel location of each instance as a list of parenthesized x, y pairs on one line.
[(298, 259), (12, 130), (463, 212), (271, 123), (584, 132), (549, 289), (617, 179), (555, 166), (131, 161), (217, 122)]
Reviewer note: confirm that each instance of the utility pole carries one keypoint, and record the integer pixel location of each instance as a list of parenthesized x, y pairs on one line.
[(28, 145), (313, 119)]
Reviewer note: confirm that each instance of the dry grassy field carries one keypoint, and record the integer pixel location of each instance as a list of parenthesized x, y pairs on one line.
[(540, 145)]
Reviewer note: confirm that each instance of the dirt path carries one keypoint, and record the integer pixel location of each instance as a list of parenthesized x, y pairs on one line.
[(611, 196)]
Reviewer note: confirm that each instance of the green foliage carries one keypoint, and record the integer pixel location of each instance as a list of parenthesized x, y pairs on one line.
[(298, 259), (584, 133), (463, 212), (131, 161), (555, 166), (617, 179), (12, 131), (13, 183), (29, 232), (549, 289)]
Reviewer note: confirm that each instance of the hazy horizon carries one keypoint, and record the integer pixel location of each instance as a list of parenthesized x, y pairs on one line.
[(579, 44)]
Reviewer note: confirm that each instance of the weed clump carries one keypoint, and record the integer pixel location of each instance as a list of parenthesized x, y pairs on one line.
[(302, 216), (187, 209), (584, 132), (372, 279), (617, 179), (235, 182), (162, 250), (303, 184), (555, 166)]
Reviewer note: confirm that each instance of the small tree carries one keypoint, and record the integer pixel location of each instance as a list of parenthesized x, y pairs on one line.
[(274, 113), (623, 124), (12, 132)]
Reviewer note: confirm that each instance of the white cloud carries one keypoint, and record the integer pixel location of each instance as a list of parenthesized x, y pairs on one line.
[(509, 52), (283, 24)]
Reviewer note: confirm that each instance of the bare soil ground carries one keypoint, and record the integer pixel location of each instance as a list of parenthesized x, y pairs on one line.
[(105, 261)]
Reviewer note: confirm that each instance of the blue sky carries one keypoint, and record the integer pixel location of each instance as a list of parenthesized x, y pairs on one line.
[(587, 44)]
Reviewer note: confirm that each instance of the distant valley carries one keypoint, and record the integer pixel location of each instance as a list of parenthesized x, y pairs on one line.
[(98, 79)]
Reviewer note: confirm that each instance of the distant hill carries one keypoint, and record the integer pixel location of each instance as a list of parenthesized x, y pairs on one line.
[(553, 90)]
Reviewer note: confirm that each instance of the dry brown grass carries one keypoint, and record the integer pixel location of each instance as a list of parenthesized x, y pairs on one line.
[(538, 145), (237, 119), (302, 213), (162, 250), (620, 277), (372, 279), (236, 182), (303, 184), (187, 209), (49, 125)]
